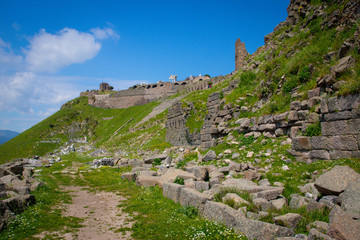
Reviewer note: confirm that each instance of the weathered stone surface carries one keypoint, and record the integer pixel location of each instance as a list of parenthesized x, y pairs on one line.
[(269, 194), (238, 201), (290, 220), (314, 93), (350, 199), (241, 184), (338, 154), (151, 159), (295, 105), (342, 226), (210, 155), (262, 204), (319, 155), (336, 180), (293, 116), (201, 173), (301, 143), (344, 64), (319, 225), (251, 228), (252, 175), (267, 127), (202, 186), (130, 176), (172, 191), (278, 203), (337, 128), (297, 201), (147, 181), (314, 234), (302, 114), (192, 197), (280, 117)]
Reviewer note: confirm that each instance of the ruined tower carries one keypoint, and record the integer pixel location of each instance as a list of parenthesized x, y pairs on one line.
[(240, 54)]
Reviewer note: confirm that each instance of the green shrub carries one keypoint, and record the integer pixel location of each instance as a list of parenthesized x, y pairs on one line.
[(304, 74), (189, 211), (179, 180), (290, 84), (156, 162), (247, 78), (313, 130)]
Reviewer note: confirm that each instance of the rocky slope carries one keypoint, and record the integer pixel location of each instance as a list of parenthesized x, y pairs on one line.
[(246, 151)]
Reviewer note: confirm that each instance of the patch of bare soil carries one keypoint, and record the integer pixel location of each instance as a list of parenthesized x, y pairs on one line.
[(101, 214)]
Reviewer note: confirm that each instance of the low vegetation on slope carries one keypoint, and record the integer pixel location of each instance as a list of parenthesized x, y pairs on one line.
[(76, 119)]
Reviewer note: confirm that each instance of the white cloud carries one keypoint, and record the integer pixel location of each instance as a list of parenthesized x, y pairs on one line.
[(25, 90), (8, 60), (104, 33), (50, 52)]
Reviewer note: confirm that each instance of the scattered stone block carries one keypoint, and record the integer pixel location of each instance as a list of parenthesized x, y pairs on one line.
[(238, 201), (278, 203), (210, 155), (202, 186), (319, 225), (192, 197), (350, 198), (262, 203), (336, 180), (314, 234), (297, 201), (129, 176), (290, 220), (253, 229), (342, 226), (269, 194), (172, 191)]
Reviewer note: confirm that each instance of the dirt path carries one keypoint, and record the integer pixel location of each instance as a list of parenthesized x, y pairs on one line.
[(101, 214), (159, 109)]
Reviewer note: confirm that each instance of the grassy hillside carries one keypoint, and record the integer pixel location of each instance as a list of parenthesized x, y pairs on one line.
[(84, 120)]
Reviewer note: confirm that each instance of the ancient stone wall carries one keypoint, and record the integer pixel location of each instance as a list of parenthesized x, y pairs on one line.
[(340, 131), (176, 131), (132, 97), (240, 54)]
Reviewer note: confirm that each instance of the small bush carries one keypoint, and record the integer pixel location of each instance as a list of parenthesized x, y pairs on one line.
[(156, 162), (274, 107), (313, 130), (290, 84), (247, 78), (189, 211), (179, 181), (304, 74)]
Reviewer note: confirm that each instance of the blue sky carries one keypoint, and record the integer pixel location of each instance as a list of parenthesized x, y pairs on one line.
[(50, 51)]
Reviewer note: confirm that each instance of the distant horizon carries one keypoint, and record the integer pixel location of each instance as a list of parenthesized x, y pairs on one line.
[(52, 51)]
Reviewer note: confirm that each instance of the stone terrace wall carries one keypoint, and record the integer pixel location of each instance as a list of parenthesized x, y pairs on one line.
[(176, 131), (145, 93), (133, 97), (340, 131)]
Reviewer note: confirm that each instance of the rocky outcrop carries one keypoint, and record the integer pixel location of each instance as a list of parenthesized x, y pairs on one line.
[(16, 183)]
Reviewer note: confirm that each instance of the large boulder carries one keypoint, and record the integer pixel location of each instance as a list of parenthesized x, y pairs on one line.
[(210, 155), (350, 199), (342, 226), (253, 229), (336, 180), (290, 220), (172, 191)]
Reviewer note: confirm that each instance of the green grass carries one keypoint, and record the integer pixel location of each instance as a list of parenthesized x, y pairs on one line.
[(86, 119)]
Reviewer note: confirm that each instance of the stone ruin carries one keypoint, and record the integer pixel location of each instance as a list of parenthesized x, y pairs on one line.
[(104, 86), (240, 54)]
